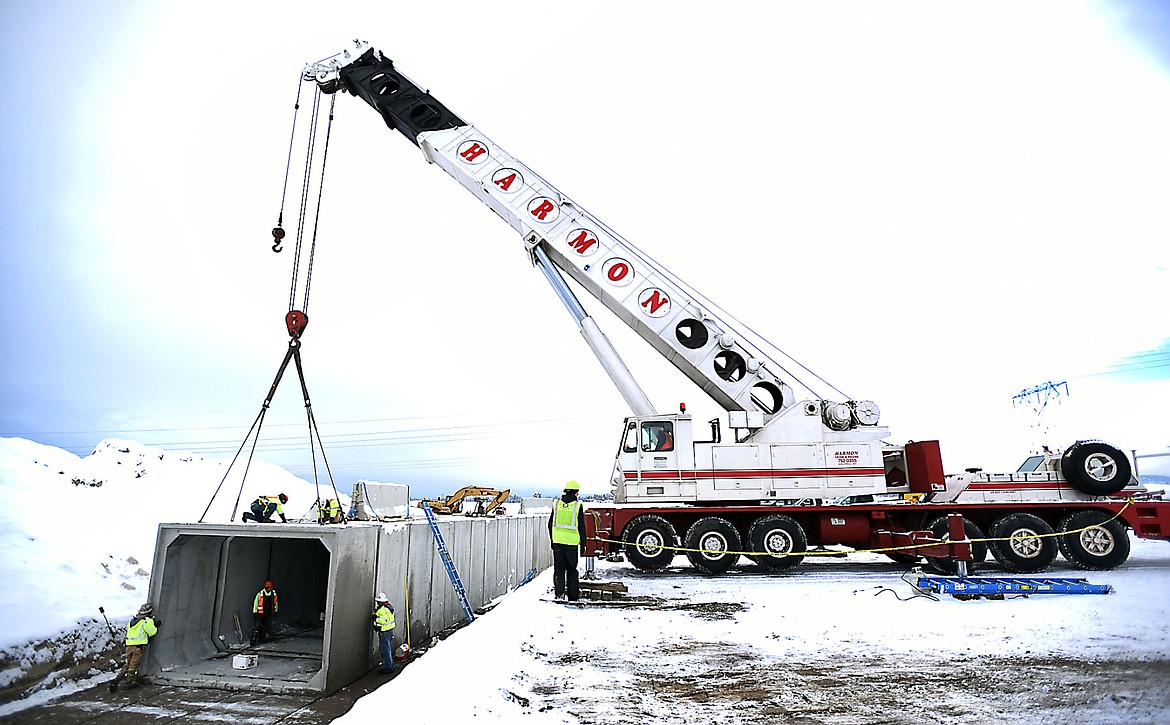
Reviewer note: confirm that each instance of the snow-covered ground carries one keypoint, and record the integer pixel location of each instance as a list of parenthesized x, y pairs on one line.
[(840, 640)]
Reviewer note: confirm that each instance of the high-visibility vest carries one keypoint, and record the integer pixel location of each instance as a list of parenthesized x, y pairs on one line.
[(262, 596), (383, 619), (565, 517), (267, 501), (140, 631)]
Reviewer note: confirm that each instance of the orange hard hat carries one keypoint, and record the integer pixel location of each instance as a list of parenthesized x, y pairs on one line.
[(268, 584)]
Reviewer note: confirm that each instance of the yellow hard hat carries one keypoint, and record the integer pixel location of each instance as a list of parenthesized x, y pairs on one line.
[(572, 486)]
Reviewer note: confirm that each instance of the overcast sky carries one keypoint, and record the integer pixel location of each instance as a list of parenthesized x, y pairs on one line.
[(933, 206)]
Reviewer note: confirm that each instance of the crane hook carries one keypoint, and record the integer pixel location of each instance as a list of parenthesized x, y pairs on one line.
[(278, 235)]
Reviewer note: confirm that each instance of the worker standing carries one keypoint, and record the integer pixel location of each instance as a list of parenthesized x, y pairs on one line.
[(566, 528), (138, 633), (263, 508), (383, 618), (264, 606)]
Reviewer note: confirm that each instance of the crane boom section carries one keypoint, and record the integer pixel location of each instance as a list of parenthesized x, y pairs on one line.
[(632, 286)]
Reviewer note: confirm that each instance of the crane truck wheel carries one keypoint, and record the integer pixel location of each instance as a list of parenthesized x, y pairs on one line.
[(938, 529), (643, 539), (1095, 468), (712, 544), (1027, 544), (777, 537), (1102, 544)]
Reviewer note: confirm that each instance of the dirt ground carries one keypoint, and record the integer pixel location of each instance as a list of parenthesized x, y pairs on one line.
[(725, 683)]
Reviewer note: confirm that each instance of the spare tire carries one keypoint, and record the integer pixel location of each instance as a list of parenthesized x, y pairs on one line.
[(1095, 468)]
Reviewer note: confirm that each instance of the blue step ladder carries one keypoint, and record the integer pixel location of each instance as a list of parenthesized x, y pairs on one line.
[(449, 565), (973, 587)]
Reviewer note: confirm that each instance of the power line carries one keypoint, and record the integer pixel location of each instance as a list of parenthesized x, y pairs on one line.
[(237, 427)]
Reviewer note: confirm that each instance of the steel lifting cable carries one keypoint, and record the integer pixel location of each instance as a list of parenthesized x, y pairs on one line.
[(317, 213), (295, 320), (278, 230), (306, 185)]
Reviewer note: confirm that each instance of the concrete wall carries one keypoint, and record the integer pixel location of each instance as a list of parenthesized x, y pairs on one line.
[(206, 576), (491, 555)]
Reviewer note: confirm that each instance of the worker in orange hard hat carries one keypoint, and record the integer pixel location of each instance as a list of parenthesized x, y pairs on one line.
[(566, 528), (263, 508), (264, 606)]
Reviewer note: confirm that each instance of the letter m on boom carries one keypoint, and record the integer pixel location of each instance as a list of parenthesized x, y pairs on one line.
[(582, 242)]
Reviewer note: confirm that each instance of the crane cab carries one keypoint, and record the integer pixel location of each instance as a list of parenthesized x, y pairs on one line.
[(656, 458)]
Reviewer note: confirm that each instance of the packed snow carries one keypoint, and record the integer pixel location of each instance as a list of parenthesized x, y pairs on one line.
[(839, 640)]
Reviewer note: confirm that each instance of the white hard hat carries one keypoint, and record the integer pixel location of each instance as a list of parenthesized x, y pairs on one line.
[(382, 597)]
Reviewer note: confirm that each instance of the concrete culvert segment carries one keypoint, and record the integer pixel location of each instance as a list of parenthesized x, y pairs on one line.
[(207, 576)]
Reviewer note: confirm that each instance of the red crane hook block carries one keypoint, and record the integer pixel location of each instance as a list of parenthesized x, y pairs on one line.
[(296, 322)]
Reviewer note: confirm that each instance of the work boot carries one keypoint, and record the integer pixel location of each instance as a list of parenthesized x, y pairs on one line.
[(246, 517), (114, 685)]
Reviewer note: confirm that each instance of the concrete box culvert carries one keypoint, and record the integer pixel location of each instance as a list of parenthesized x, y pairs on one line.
[(206, 576)]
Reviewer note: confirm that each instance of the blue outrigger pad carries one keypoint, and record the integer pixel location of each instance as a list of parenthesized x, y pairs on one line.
[(982, 586)]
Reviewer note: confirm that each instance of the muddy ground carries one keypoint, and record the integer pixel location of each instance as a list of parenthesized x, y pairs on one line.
[(725, 683)]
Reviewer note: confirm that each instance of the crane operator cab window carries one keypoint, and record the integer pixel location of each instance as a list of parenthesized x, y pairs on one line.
[(656, 435)]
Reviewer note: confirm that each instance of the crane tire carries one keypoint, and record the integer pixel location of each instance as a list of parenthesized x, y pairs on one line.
[(1022, 542), (1095, 468), (773, 535), (1104, 547), (712, 545), (643, 539), (939, 529)]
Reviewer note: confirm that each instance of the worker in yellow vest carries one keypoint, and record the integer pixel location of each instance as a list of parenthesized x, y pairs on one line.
[(264, 606), (383, 618), (566, 528), (329, 511), (138, 633), (264, 507)]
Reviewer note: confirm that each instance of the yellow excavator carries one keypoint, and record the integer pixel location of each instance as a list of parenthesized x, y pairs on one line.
[(488, 502)]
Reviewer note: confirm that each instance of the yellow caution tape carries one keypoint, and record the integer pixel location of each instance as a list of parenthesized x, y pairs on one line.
[(683, 549)]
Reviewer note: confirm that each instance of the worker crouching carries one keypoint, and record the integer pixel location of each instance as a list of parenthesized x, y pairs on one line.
[(264, 507), (566, 528), (329, 511)]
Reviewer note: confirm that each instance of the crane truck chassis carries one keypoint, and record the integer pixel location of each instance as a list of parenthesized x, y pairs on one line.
[(793, 473)]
